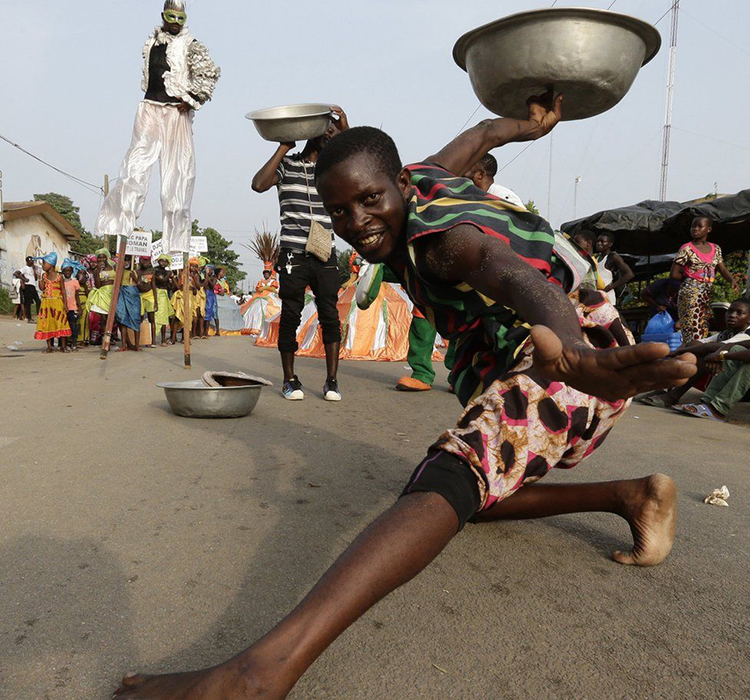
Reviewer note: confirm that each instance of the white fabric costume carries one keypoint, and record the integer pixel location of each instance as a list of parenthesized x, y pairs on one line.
[(161, 132)]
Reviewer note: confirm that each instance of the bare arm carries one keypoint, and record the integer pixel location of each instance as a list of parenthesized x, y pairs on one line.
[(467, 148), (626, 274), (676, 272), (721, 267), (489, 266), (267, 176), (647, 298)]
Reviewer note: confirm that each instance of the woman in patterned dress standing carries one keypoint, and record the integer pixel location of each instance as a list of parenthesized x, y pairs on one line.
[(696, 265)]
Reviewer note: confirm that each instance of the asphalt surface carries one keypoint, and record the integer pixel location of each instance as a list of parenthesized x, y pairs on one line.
[(132, 539)]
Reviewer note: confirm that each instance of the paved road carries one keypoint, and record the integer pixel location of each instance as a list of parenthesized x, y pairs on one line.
[(134, 539)]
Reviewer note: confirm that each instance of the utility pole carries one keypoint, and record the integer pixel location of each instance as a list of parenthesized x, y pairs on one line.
[(670, 102), (575, 195), (106, 192)]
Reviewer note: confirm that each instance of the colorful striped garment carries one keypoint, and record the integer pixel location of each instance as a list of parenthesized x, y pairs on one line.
[(487, 334)]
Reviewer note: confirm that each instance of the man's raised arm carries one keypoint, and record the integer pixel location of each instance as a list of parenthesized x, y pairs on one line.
[(467, 148)]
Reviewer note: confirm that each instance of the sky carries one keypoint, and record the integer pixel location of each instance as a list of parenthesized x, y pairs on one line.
[(71, 75)]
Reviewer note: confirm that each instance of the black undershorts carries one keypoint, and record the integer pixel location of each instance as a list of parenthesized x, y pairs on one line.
[(451, 477)]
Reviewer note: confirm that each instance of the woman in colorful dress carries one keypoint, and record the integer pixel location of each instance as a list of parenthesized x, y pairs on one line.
[(128, 312), (212, 310), (83, 324), (178, 304), (52, 321), (100, 298), (147, 289), (696, 265), (163, 307)]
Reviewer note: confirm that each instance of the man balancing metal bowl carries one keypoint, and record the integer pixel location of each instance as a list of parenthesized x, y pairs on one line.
[(543, 381)]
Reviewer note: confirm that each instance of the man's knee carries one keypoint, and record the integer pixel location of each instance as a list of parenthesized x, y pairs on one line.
[(331, 332)]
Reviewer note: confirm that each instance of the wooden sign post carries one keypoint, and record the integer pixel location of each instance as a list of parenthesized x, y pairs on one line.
[(187, 319), (107, 338)]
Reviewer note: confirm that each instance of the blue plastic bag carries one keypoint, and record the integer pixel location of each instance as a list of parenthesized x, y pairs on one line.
[(660, 324)]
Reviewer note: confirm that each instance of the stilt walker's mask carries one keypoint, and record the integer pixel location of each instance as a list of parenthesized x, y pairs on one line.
[(174, 12)]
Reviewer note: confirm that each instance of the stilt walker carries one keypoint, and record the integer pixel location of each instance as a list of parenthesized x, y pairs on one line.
[(179, 77)]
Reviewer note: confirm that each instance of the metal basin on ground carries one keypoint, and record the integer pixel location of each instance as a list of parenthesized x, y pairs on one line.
[(590, 56), (291, 122), (193, 399)]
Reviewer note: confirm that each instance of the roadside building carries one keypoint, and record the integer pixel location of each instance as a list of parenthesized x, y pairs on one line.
[(31, 228)]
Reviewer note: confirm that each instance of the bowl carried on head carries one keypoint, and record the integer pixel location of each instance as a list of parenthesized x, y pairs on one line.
[(590, 56), (291, 122)]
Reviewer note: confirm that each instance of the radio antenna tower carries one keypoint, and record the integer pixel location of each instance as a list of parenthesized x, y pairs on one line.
[(670, 101)]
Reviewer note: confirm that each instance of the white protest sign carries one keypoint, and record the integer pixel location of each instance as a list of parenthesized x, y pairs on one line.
[(138, 243), (175, 261), (198, 244)]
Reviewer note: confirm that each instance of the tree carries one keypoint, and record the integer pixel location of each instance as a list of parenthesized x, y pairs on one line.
[(221, 254), (343, 260), (532, 207), (64, 206)]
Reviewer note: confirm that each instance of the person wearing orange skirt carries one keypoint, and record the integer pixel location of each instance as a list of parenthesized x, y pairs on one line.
[(52, 321)]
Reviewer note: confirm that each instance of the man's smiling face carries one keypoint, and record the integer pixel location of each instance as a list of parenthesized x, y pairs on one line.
[(367, 207)]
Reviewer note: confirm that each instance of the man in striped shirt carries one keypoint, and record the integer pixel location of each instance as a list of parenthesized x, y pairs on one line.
[(300, 205)]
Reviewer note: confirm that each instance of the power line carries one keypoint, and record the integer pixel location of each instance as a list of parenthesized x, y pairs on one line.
[(721, 36), (468, 120), (520, 153), (90, 186), (610, 4), (712, 138)]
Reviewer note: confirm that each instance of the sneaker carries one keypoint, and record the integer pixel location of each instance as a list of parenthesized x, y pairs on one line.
[(293, 389), (331, 390)]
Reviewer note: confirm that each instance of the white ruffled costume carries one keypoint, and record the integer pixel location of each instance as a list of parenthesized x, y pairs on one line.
[(162, 133)]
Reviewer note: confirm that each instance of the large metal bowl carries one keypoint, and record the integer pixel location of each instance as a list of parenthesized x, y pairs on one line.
[(292, 122), (193, 399), (591, 56)]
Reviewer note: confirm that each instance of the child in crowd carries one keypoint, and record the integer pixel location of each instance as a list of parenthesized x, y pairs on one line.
[(147, 289), (613, 270), (586, 241), (163, 284), (52, 321), (707, 351), (83, 296), (661, 295), (543, 377), (729, 386), (212, 309), (72, 300), (17, 284)]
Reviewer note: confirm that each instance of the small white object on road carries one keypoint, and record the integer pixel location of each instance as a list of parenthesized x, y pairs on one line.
[(718, 497)]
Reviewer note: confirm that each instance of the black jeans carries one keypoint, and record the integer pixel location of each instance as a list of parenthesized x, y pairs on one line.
[(30, 296), (73, 323), (323, 279)]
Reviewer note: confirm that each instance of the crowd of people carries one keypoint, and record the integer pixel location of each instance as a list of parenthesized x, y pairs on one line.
[(77, 299)]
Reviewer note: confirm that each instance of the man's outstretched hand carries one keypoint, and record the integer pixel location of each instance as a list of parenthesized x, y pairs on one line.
[(614, 374)]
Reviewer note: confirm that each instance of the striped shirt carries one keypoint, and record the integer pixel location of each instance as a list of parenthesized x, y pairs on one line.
[(295, 202), (487, 335)]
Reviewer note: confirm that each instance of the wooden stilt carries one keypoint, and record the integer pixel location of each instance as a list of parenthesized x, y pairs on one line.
[(187, 317), (107, 338)]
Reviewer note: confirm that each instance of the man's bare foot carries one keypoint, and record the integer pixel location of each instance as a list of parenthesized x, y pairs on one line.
[(224, 682), (650, 507)]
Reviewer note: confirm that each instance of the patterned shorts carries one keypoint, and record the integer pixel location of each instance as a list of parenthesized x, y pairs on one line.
[(520, 427)]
